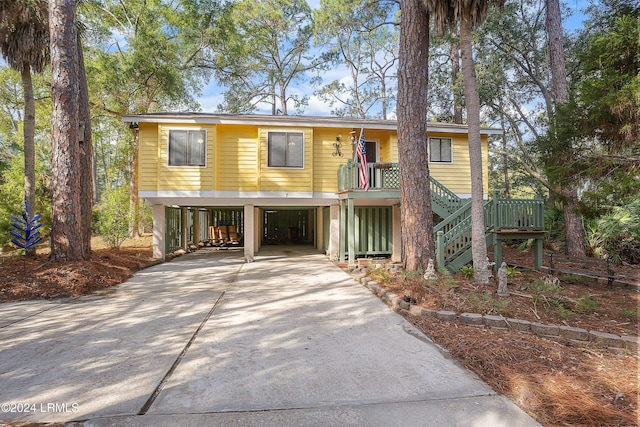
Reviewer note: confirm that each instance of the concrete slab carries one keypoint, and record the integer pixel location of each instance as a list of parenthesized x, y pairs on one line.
[(310, 338), (291, 340), (105, 354), (16, 311)]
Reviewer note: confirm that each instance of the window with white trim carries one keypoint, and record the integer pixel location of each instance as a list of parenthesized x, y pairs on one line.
[(285, 149), (187, 147), (440, 150)]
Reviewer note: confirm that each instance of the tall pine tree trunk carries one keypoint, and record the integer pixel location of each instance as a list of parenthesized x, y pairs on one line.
[(29, 144), (455, 69), (416, 224), (472, 101), (574, 231), (66, 235), (86, 154)]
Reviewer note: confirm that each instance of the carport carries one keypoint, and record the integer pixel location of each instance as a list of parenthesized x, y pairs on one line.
[(251, 227)]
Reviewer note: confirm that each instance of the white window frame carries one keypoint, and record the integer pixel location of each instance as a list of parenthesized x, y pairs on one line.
[(446, 162), (188, 130), (286, 132)]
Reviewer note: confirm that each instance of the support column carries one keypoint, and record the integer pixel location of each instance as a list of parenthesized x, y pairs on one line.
[(396, 255), (159, 238), (196, 226), (539, 252), (343, 230), (351, 238), (334, 232), (319, 231), (184, 233), (258, 225), (249, 233)]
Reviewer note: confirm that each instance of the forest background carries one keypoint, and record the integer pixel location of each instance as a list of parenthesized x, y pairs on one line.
[(286, 57)]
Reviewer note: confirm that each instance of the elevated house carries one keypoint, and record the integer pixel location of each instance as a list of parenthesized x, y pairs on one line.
[(278, 180)]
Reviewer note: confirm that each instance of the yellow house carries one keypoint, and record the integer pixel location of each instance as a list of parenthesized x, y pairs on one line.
[(287, 179)]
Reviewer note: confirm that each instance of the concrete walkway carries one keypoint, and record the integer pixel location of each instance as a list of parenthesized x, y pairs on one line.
[(209, 340)]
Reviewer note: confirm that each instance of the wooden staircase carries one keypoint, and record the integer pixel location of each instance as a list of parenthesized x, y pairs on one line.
[(523, 218), (453, 233)]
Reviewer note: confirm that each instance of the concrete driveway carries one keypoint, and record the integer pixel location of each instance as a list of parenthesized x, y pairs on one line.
[(209, 340)]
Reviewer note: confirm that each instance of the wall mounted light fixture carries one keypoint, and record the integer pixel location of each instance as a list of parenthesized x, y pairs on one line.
[(337, 145)]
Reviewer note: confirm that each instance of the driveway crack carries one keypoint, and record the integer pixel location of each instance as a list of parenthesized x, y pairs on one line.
[(167, 376)]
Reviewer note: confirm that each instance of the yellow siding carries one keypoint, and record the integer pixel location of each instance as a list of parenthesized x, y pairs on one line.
[(389, 150), (237, 160), (148, 156), (286, 179), (456, 176), (180, 177), (325, 168)]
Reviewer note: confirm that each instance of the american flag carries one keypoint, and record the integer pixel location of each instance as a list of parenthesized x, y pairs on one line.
[(361, 154)]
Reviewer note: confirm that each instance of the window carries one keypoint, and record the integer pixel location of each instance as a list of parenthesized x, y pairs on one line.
[(440, 150), (286, 150), (187, 147)]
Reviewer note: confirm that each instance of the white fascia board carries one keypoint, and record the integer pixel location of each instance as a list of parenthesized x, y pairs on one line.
[(293, 121)]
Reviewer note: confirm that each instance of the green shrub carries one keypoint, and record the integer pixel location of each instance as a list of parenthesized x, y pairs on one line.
[(467, 271), (113, 217)]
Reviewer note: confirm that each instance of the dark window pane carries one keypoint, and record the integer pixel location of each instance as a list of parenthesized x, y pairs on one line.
[(177, 147), (440, 150), (277, 149)]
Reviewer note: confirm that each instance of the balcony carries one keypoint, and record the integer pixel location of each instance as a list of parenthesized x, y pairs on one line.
[(382, 176)]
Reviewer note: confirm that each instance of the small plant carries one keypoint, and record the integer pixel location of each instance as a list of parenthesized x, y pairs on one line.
[(562, 311), (573, 278), (513, 272), (29, 237), (410, 275), (586, 305), (380, 275), (467, 271), (630, 313), (501, 306)]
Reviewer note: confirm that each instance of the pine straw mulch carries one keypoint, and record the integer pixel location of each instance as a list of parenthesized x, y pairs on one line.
[(26, 278), (557, 381)]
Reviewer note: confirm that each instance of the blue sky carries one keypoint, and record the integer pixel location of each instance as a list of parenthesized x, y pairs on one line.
[(212, 94)]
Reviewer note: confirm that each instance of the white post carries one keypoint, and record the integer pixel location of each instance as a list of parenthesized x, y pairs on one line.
[(319, 233), (396, 255), (158, 242), (249, 233), (334, 232)]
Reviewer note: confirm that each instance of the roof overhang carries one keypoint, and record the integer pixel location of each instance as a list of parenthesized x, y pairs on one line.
[(293, 121)]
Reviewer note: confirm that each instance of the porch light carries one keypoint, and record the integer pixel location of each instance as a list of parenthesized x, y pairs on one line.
[(352, 136)]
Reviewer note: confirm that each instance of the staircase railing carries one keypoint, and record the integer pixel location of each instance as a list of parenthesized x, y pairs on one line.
[(453, 235)]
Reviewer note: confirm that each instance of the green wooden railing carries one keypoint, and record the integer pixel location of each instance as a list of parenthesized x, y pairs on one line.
[(453, 235), (386, 176)]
